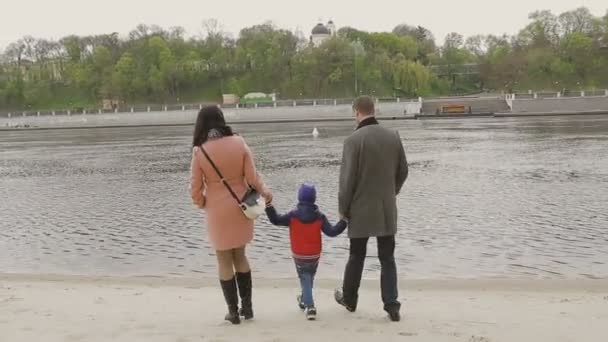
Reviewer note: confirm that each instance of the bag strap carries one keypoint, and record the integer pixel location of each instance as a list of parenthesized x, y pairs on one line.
[(224, 181)]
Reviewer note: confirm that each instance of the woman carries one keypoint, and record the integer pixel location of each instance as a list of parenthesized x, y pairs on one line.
[(228, 229)]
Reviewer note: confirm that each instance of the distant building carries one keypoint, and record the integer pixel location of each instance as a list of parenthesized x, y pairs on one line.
[(110, 104), (321, 33), (230, 99)]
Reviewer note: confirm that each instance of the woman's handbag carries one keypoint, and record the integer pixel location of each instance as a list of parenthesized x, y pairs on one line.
[(252, 203)]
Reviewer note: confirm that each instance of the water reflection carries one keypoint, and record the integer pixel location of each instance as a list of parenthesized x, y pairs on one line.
[(485, 197)]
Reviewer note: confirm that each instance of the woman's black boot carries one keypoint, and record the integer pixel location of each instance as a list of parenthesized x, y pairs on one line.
[(245, 289), (232, 300)]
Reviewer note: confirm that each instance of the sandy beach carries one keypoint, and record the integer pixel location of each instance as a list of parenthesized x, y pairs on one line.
[(71, 309)]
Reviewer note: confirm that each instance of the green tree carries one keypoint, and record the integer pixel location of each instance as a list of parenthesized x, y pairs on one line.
[(265, 56), (73, 45), (543, 31), (577, 49), (153, 64), (123, 76), (453, 57), (412, 78), (327, 70)]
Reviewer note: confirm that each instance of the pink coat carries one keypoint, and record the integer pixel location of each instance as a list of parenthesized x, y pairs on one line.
[(227, 226)]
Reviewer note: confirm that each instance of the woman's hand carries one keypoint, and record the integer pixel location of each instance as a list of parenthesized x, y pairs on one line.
[(202, 203), (267, 196)]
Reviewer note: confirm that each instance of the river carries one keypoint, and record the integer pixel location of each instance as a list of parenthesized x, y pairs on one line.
[(525, 197)]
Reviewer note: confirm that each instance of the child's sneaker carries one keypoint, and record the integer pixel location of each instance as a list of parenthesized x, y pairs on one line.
[(311, 313), (300, 304)]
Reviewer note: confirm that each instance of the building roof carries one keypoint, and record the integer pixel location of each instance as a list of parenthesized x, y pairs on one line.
[(320, 29)]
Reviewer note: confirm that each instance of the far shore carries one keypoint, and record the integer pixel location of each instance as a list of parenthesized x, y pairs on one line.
[(386, 117), (78, 308)]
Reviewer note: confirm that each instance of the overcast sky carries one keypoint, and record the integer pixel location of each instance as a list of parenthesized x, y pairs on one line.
[(57, 18)]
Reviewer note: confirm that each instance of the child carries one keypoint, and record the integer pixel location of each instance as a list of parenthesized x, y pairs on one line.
[(306, 223)]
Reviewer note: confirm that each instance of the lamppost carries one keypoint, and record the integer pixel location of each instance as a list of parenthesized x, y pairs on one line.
[(604, 49), (358, 50), (355, 67)]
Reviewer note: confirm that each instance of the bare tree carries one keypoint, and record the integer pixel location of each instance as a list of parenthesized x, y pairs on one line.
[(579, 20), (212, 29), (453, 41), (177, 32), (476, 44), (42, 50), (15, 51), (140, 32), (29, 50)]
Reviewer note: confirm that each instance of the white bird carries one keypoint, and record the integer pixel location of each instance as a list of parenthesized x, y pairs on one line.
[(315, 132)]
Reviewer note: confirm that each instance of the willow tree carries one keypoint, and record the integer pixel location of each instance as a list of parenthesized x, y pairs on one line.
[(411, 78)]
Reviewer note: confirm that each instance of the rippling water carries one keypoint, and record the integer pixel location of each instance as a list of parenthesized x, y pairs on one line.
[(485, 197)]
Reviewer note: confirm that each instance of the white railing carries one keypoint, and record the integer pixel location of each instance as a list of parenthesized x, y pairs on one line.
[(198, 106), (410, 105), (530, 95)]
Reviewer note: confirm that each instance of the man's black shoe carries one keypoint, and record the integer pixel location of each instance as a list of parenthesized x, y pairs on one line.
[(339, 296)]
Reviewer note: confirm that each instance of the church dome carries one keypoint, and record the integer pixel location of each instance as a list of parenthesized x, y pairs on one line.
[(320, 29)]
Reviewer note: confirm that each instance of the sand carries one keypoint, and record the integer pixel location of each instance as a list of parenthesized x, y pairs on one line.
[(71, 309)]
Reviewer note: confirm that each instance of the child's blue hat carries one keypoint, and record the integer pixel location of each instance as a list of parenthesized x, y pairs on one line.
[(307, 193)]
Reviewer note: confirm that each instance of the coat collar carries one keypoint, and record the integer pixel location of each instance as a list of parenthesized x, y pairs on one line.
[(368, 122), (307, 212)]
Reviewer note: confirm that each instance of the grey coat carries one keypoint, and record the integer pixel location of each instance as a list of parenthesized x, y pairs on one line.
[(374, 168)]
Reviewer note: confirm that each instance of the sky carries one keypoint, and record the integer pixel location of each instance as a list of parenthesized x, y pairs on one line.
[(53, 19)]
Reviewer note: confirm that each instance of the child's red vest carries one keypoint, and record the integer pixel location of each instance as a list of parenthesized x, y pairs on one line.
[(305, 238)]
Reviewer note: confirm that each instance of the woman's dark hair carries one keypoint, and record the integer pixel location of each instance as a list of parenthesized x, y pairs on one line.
[(210, 117)]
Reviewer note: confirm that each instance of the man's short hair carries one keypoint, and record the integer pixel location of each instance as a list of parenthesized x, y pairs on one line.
[(364, 105)]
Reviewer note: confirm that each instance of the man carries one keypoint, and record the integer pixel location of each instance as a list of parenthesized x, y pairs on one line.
[(374, 169)]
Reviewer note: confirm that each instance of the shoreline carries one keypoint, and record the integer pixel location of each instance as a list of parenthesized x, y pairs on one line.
[(155, 309), (439, 284)]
